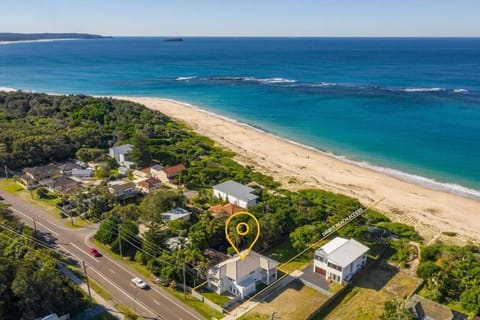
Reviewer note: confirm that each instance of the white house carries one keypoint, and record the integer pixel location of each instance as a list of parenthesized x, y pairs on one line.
[(174, 214), (235, 193), (340, 259), (120, 154), (239, 277)]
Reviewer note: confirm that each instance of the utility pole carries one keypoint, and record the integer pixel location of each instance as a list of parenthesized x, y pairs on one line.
[(34, 226), (184, 283), (71, 218), (6, 172), (120, 244), (86, 276)]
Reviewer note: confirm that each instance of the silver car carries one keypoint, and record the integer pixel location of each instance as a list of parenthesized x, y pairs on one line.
[(139, 283)]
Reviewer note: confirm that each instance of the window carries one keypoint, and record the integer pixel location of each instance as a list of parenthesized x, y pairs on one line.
[(334, 266), (319, 258)]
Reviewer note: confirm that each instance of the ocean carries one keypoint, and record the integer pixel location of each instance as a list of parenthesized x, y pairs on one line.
[(409, 107)]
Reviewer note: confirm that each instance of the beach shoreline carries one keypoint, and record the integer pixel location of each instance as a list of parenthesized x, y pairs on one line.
[(297, 166)]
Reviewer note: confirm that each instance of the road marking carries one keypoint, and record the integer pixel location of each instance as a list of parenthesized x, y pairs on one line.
[(170, 299), (111, 260), (125, 293), (111, 271), (157, 302), (83, 251), (36, 222)]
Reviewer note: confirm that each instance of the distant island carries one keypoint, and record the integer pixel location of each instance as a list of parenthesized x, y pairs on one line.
[(177, 39), (47, 36)]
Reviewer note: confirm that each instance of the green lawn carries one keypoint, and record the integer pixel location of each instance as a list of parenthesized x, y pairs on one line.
[(10, 186), (99, 290), (284, 252), (365, 299), (196, 304), (213, 296), (295, 302)]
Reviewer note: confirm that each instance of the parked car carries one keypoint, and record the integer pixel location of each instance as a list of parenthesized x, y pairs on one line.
[(1, 198), (94, 252), (139, 283)]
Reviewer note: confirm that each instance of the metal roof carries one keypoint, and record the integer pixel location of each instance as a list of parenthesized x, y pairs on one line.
[(343, 252), (236, 190)]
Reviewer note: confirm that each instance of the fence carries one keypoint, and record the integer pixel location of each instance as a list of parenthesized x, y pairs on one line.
[(207, 302)]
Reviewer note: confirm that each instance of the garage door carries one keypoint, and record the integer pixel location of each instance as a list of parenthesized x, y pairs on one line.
[(320, 270)]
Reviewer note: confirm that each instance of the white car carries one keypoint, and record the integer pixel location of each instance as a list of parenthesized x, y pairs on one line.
[(139, 283)]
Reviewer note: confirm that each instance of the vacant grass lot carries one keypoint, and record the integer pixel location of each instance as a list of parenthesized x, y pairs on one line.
[(366, 299), (284, 252), (296, 301)]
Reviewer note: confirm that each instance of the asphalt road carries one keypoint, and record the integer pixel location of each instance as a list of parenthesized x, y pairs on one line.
[(115, 277)]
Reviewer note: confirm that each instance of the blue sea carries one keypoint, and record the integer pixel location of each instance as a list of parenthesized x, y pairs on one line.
[(409, 107)]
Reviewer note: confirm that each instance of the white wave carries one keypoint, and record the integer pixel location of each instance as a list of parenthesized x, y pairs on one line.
[(422, 89), (6, 89), (275, 80), (40, 40), (324, 84), (463, 91), (185, 78)]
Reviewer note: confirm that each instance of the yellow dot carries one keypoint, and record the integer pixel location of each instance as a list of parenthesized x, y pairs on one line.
[(245, 226)]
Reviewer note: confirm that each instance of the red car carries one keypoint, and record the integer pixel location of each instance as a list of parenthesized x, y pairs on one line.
[(94, 252)]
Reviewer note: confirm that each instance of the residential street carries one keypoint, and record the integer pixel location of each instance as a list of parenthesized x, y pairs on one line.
[(113, 276)]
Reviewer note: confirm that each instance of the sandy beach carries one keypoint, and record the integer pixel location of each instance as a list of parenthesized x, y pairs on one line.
[(295, 166)]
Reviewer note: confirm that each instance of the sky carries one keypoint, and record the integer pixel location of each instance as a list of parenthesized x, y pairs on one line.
[(244, 17)]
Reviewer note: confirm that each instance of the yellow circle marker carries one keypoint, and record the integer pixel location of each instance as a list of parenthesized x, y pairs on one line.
[(239, 231), (245, 226)]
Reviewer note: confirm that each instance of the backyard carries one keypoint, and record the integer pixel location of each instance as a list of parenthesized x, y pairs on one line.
[(365, 299), (296, 301)]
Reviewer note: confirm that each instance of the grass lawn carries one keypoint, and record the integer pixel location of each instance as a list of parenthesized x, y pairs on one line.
[(196, 304), (10, 186), (284, 252), (213, 296), (99, 290), (296, 301), (125, 310), (365, 300)]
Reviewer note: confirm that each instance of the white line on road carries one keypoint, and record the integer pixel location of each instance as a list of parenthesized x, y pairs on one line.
[(38, 223), (157, 302), (83, 251), (125, 293), (111, 271)]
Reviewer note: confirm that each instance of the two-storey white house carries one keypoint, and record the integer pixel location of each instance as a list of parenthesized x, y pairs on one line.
[(340, 259), (239, 277), (235, 193), (120, 153)]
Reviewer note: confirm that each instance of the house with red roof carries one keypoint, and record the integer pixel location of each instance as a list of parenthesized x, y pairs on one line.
[(149, 185), (168, 173), (227, 209)]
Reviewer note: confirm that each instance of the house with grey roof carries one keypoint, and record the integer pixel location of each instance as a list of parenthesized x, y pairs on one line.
[(123, 189), (121, 155), (340, 259), (235, 193), (426, 309), (240, 277)]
